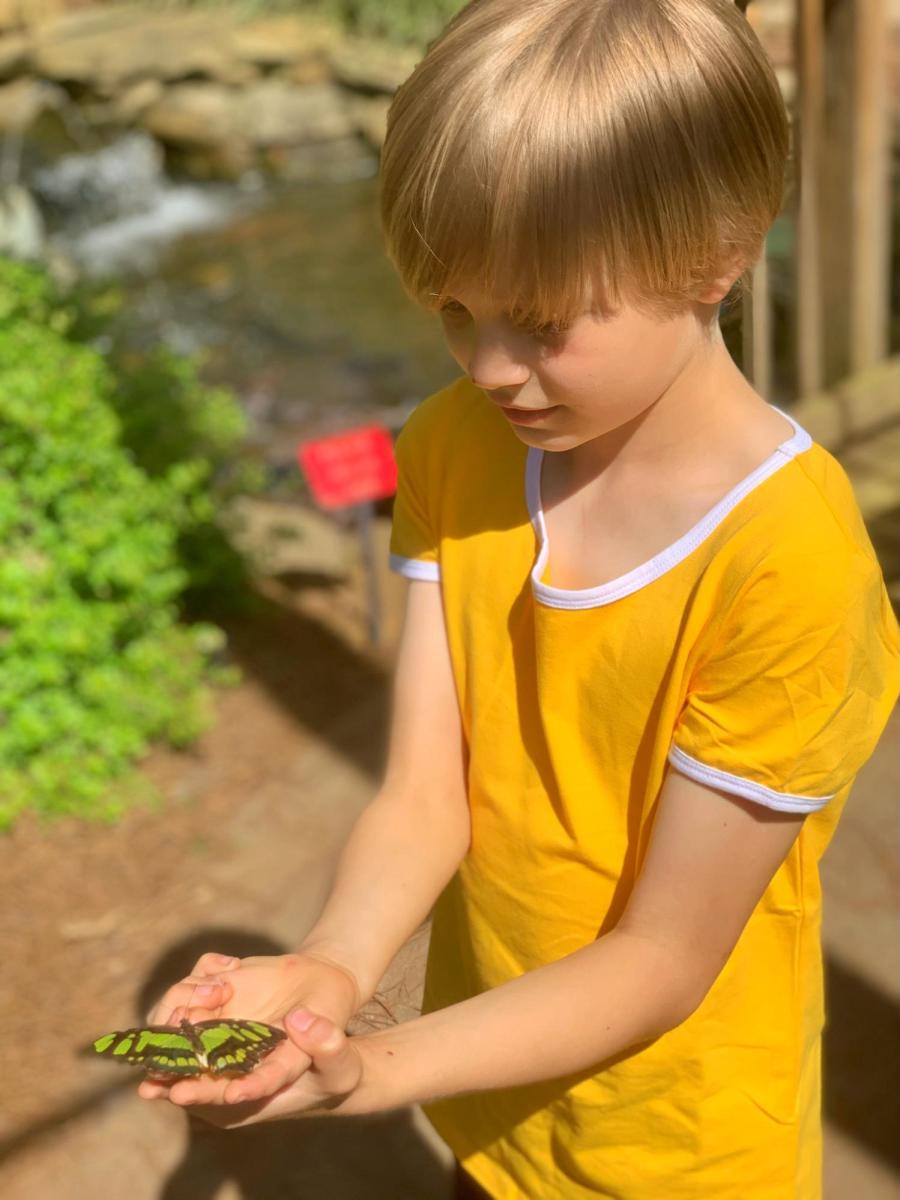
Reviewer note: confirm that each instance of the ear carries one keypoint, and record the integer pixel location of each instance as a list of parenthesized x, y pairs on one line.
[(721, 283), (717, 289)]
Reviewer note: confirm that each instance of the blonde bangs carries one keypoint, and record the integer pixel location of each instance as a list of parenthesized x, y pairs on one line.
[(549, 152)]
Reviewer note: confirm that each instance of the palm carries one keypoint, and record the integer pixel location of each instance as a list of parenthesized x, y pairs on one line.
[(264, 988)]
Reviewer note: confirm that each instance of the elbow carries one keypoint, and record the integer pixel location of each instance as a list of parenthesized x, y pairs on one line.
[(678, 981), (690, 982)]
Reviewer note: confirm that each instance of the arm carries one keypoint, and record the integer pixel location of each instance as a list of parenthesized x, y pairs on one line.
[(407, 843), (710, 859), (401, 852)]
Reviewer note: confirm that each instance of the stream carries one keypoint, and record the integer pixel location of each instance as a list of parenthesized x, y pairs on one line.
[(282, 287)]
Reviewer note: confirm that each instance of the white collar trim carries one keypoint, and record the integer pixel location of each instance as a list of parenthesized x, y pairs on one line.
[(615, 589)]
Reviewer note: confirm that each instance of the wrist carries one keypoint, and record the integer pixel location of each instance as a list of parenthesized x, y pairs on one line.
[(331, 954), (380, 1088)]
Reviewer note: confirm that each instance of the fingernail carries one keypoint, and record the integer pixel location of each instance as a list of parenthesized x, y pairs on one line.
[(207, 989), (301, 1019), (226, 960)]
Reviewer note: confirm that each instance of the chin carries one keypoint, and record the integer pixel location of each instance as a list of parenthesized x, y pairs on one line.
[(546, 439)]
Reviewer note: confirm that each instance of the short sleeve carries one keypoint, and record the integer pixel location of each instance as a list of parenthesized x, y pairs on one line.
[(798, 686), (414, 544)]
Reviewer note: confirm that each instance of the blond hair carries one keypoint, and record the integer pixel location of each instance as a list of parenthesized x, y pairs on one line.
[(547, 149)]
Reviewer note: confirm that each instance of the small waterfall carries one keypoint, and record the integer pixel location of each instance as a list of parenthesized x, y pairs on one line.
[(113, 208)]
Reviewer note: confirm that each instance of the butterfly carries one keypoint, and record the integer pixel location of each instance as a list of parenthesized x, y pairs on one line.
[(222, 1047)]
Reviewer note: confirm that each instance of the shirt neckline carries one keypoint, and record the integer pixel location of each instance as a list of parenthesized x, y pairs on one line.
[(665, 560)]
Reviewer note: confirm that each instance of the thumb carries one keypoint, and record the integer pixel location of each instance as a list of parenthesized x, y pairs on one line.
[(335, 1060)]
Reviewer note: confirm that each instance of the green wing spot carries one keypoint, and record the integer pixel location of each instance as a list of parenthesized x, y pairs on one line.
[(124, 1046), (215, 1037), (102, 1044)]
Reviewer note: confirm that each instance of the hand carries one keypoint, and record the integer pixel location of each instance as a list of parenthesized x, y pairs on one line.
[(335, 1073), (264, 988)]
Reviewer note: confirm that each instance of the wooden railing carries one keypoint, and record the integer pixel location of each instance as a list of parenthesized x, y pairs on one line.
[(840, 198)]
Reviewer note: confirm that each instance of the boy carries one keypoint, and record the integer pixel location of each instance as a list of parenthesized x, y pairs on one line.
[(647, 644)]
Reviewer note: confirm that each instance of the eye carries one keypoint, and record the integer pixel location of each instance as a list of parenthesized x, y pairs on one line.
[(547, 332), (453, 309)]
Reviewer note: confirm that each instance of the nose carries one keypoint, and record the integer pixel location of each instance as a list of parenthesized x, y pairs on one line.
[(495, 361)]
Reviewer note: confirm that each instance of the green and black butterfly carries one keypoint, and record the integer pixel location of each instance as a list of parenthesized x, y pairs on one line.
[(221, 1047)]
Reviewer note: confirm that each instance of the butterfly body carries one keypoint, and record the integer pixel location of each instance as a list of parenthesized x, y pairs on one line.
[(221, 1047)]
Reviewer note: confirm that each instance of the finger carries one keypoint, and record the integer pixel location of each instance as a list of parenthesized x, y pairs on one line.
[(201, 1089), (281, 1068), (334, 1058), (153, 1089), (201, 991), (212, 963)]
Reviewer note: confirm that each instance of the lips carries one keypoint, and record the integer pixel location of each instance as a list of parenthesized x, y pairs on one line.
[(526, 416)]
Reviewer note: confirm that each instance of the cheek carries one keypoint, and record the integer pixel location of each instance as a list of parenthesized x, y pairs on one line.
[(457, 343)]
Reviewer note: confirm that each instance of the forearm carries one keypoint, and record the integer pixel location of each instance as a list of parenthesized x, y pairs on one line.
[(560, 1019), (396, 862)]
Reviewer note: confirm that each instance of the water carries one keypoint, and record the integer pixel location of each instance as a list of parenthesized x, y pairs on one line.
[(298, 308), (283, 288)]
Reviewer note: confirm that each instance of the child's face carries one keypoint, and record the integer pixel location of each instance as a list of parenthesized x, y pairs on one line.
[(602, 372)]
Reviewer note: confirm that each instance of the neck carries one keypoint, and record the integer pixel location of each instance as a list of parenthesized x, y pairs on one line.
[(675, 429)]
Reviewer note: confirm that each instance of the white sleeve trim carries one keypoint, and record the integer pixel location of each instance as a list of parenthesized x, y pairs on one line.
[(726, 782), (414, 568)]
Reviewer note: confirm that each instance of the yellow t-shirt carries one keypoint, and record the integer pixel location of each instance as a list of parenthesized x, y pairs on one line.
[(758, 654)]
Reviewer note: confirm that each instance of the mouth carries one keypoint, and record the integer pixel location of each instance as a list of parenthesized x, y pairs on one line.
[(526, 416)]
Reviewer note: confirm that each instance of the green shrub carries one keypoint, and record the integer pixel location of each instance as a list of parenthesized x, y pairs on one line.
[(94, 664)]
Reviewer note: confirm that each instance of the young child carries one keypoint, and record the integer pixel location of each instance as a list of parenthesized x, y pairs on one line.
[(647, 645)]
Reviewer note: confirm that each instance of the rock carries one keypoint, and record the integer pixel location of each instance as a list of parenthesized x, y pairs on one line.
[(193, 114), (126, 108), (9, 15), (13, 55), (369, 114), (23, 101), (308, 70), (109, 48), (22, 232), (336, 160), (234, 160), (282, 41), (372, 66), (275, 112)]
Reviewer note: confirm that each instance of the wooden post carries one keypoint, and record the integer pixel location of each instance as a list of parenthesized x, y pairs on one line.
[(836, 187), (756, 332), (808, 140), (870, 181)]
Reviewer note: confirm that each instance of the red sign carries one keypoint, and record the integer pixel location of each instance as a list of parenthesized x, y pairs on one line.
[(350, 468)]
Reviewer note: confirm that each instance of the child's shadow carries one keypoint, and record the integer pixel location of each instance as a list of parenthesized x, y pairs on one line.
[(381, 1157)]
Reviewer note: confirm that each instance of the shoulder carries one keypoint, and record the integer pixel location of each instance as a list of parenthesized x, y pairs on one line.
[(794, 558), (803, 529), (445, 415), (456, 443)]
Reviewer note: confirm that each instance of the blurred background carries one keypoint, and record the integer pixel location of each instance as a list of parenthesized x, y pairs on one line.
[(194, 654)]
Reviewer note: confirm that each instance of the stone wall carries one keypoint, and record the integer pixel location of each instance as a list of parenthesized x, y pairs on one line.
[(221, 94)]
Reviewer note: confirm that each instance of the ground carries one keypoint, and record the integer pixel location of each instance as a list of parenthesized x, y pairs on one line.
[(98, 919)]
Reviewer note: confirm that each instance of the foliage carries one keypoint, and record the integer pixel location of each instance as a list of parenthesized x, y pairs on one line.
[(94, 664), (404, 21), (411, 21)]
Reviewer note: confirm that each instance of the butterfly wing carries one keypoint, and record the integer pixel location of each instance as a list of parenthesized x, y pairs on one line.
[(162, 1049), (234, 1047)]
